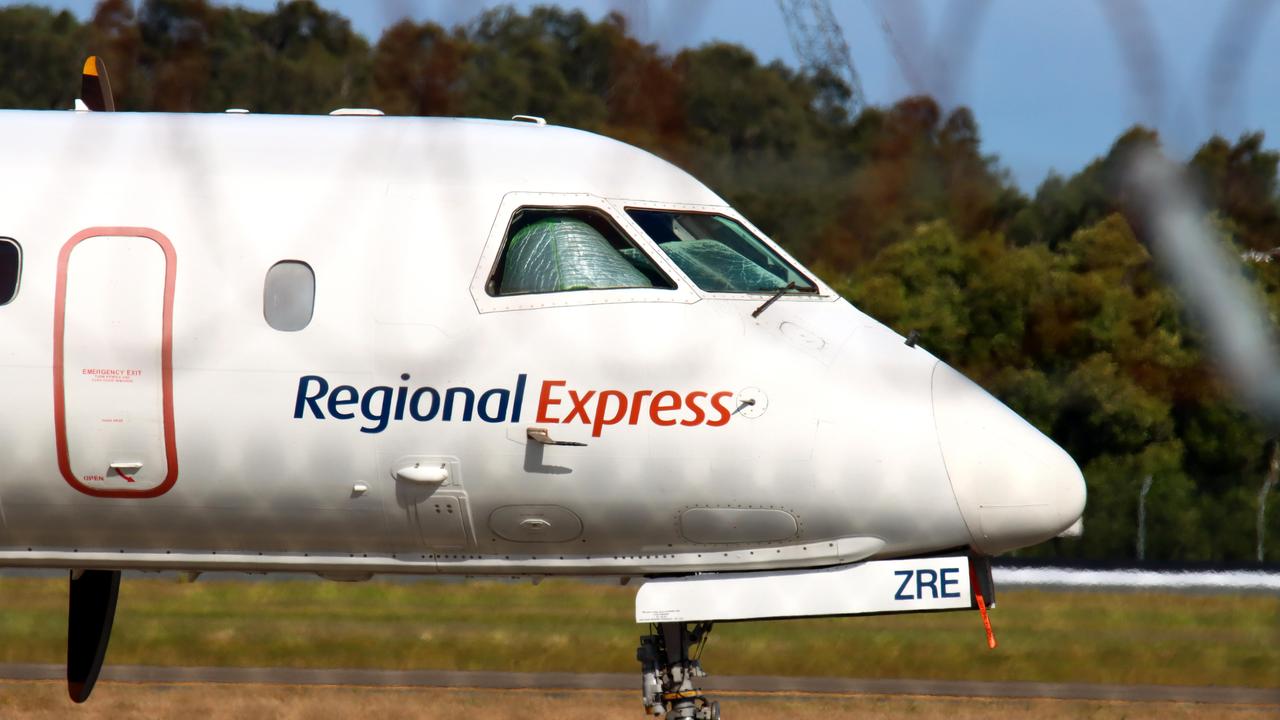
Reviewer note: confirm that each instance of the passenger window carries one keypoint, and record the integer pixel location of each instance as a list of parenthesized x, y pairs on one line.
[(718, 253), (289, 297), (10, 270), (562, 249)]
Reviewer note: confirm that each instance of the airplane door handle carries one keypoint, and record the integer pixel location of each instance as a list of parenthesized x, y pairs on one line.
[(542, 437), (424, 474), (126, 470)]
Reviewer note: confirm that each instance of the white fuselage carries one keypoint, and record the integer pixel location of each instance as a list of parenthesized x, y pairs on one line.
[(154, 419)]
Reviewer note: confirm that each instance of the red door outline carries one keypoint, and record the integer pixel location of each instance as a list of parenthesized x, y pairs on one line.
[(166, 361)]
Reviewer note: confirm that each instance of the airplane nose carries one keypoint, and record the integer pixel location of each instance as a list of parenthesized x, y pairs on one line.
[(1015, 487)]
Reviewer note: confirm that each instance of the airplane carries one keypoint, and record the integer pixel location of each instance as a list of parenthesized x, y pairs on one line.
[(356, 344)]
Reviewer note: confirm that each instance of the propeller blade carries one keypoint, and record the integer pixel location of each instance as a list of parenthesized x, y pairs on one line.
[(90, 613), (95, 86)]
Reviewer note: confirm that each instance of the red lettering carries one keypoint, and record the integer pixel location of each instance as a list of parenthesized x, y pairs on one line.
[(602, 408), (698, 413), (659, 406), (718, 404), (579, 406), (637, 405), (545, 402)]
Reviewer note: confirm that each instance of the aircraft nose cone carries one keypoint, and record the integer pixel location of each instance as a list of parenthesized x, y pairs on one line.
[(1015, 487)]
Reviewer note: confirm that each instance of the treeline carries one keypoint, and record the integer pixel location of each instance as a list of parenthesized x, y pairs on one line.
[(1051, 301)]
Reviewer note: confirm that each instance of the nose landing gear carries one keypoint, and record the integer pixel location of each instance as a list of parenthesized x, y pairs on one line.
[(669, 671)]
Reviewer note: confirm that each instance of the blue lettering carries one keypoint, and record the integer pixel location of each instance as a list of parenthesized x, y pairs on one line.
[(906, 578), (921, 583), (342, 396), (402, 394), (415, 412), (467, 393), (950, 581), (382, 414), (378, 406), (310, 400), (519, 398), (504, 397)]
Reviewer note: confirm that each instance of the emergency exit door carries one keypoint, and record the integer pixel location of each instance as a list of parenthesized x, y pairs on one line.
[(113, 363)]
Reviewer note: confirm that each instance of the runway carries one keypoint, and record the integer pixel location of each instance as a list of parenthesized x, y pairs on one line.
[(626, 681)]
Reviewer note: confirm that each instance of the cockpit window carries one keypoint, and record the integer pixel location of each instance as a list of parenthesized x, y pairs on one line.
[(562, 249), (718, 253)]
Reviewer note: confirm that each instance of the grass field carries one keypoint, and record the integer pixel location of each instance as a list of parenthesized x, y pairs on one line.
[(47, 701), (1131, 638)]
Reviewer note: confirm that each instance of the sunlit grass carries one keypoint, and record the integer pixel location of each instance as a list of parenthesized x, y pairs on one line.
[(576, 626)]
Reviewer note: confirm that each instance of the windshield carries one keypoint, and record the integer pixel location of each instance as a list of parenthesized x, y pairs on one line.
[(563, 249), (718, 253)]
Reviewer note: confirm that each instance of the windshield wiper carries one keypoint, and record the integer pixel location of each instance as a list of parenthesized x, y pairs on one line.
[(774, 298)]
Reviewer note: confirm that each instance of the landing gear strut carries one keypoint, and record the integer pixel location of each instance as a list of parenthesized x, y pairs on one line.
[(669, 671)]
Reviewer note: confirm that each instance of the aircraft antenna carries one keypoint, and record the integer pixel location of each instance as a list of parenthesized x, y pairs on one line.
[(819, 41)]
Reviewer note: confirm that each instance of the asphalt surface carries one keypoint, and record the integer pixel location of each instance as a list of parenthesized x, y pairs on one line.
[(626, 681)]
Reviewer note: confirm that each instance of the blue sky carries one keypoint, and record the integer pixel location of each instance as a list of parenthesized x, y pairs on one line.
[(1047, 79)]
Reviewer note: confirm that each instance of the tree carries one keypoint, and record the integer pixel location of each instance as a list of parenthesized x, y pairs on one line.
[(1240, 182), (40, 58), (1052, 302), (418, 69)]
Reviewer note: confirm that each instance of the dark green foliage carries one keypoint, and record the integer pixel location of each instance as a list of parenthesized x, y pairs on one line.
[(41, 54), (1240, 181), (1051, 301)]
